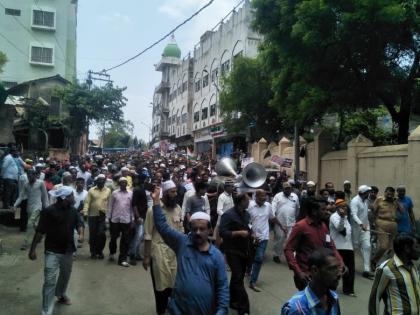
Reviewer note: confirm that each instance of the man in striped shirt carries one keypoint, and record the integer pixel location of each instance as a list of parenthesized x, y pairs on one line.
[(397, 280)]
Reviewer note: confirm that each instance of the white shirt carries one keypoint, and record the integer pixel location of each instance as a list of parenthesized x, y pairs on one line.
[(224, 203), (286, 208), (337, 224), (79, 197), (359, 211), (260, 217)]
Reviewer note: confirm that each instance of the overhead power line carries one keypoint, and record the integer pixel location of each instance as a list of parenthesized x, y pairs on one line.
[(12, 44), (161, 39)]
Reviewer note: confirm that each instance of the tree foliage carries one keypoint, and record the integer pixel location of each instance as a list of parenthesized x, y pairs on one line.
[(3, 60), (118, 135), (244, 100), (341, 55)]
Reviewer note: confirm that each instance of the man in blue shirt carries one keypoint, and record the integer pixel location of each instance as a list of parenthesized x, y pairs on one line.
[(201, 286), (319, 297), (405, 219)]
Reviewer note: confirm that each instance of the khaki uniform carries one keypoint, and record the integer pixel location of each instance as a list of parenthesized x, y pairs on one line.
[(385, 213), (163, 257)]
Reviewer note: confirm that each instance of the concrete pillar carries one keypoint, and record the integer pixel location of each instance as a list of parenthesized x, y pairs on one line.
[(355, 146), (7, 116), (283, 144), (323, 144), (413, 169), (213, 149), (261, 146)]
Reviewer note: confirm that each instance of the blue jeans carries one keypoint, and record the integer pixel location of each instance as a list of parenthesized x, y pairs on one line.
[(258, 260), (136, 240), (60, 264)]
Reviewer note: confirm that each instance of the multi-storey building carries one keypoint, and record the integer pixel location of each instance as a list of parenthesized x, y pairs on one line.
[(190, 112), (38, 38)]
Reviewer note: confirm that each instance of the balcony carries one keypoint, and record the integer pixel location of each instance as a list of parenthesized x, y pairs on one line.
[(162, 87)]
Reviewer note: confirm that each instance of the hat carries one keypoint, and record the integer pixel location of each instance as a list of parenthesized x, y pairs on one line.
[(364, 188), (346, 182), (340, 202), (162, 165), (41, 159), (39, 165), (124, 169), (272, 178), (122, 179), (100, 176), (62, 192), (310, 184), (169, 184), (65, 174), (29, 161), (286, 185), (291, 182), (200, 215)]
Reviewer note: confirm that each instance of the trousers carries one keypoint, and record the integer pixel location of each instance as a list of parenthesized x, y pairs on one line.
[(238, 295), (384, 240), (361, 241), (258, 260), (348, 278), (161, 297), (279, 239), (32, 224), (97, 237), (117, 229), (60, 264), (10, 192), (136, 239)]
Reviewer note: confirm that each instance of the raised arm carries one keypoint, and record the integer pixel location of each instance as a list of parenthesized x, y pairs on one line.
[(172, 237)]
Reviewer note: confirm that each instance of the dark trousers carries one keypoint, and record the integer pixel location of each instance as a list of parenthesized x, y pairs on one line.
[(238, 296), (97, 237), (117, 229), (161, 297), (23, 222), (348, 277), (10, 192)]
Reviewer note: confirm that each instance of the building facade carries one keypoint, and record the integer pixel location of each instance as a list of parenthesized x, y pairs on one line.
[(38, 38), (191, 115)]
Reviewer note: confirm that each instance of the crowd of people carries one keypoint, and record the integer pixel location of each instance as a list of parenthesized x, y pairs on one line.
[(190, 227)]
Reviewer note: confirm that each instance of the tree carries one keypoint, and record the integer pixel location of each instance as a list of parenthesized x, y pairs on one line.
[(84, 106), (341, 55), (118, 135), (3, 60), (244, 100)]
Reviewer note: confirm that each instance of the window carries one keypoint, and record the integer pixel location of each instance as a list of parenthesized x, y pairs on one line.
[(184, 86), (212, 110), (204, 113), (197, 85), (55, 106), (184, 118), (214, 74), (225, 66), (205, 80), (196, 116), (12, 12), (42, 55), (43, 18)]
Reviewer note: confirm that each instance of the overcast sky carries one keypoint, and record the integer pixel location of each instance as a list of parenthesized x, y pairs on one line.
[(109, 33)]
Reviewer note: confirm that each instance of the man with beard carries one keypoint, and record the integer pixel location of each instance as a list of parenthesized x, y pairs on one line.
[(397, 280), (58, 223), (201, 286), (158, 255), (319, 296), (307, 235), (308, 193)]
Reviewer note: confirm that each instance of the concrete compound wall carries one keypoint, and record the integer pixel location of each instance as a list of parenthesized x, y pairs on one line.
[(361, 163)]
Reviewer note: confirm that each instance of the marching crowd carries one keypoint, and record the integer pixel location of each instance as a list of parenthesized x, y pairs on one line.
[(194, 226)]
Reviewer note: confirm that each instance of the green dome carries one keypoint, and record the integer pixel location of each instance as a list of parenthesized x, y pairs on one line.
[(172, 50)]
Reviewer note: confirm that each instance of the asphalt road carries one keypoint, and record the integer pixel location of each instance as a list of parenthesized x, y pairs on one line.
[(101, 287)]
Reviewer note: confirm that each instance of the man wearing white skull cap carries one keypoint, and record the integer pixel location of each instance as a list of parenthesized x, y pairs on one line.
[(57, 222), (157, 255), (201, 285)]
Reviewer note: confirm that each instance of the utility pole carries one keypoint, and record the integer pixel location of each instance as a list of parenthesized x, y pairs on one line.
[(98, 76), (297, 152)]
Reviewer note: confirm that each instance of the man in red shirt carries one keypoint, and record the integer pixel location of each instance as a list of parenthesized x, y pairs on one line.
[(307, 235)]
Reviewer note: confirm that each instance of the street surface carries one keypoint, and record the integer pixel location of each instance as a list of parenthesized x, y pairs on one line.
[(101, 287)]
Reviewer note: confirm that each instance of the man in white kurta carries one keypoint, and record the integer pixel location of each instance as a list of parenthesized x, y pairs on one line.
[(285, 206)]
